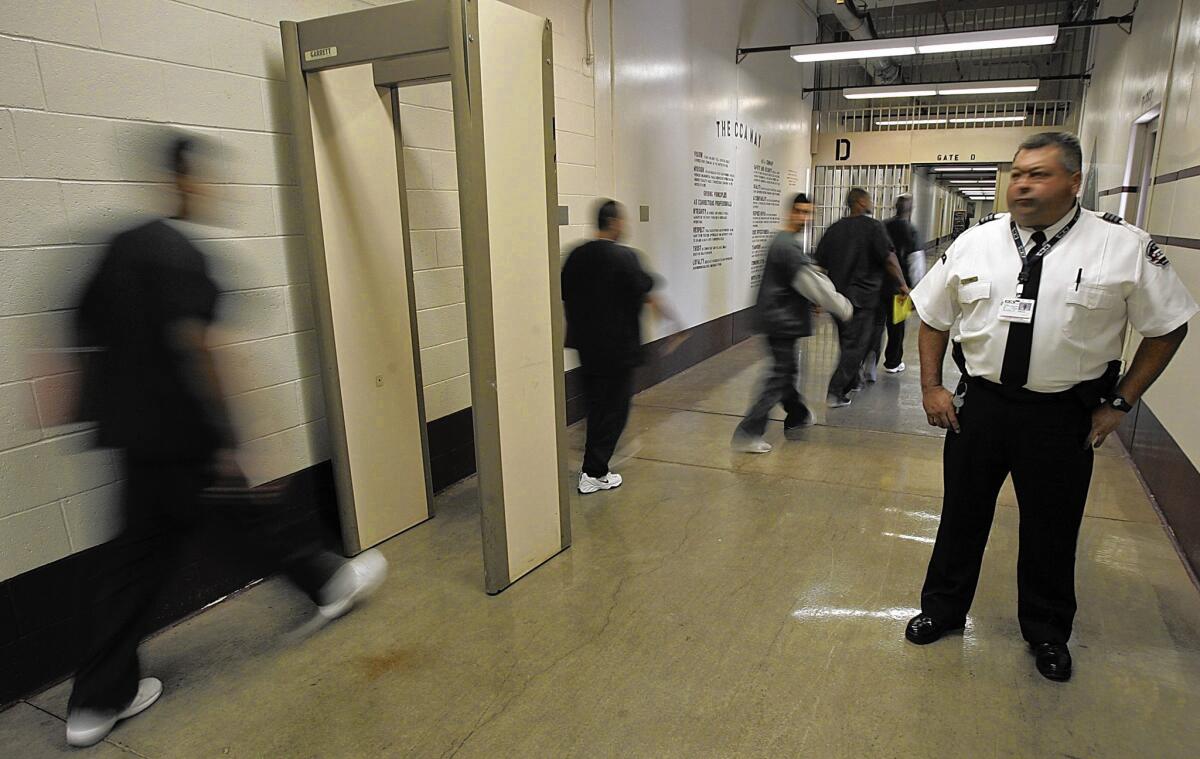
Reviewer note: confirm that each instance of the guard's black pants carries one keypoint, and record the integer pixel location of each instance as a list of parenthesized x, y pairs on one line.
[(778, 386), (854, 341), (1040, 441), (161, 507), (608, 398)]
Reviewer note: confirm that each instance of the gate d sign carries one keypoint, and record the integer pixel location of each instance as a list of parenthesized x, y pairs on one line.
[(842, 150)]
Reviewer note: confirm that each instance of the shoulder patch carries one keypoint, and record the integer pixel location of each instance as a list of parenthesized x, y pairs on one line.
[(986, 219), (1155, 255), (1112, 218)]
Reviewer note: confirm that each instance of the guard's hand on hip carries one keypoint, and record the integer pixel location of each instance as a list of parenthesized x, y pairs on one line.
[(939, 408), (1104, 420)]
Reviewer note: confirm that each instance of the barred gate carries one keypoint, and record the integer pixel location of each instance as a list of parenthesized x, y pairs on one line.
[(885, 182)]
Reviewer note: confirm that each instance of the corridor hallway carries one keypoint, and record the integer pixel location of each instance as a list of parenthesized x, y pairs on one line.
[(716, 605)]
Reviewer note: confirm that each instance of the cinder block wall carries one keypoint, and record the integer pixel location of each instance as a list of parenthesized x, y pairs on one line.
[(85, 84)]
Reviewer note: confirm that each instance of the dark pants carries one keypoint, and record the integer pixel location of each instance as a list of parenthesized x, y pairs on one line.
[(162, 505), (893, 356), (854, 338), (608, 398), (894, 353), (778, 386), (1041, 443)]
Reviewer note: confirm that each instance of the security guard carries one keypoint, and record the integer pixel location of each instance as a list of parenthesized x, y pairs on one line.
[(1041, 298)]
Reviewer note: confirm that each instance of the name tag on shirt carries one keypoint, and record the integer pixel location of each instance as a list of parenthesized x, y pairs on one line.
[(1018, 310)]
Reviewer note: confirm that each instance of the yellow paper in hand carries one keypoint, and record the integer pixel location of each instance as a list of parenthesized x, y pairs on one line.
[(901, 307)]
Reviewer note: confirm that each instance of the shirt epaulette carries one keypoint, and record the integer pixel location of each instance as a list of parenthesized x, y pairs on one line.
[(986, 219), (1112, 218)]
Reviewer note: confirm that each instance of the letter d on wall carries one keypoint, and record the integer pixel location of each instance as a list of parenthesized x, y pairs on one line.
[(842, 150)]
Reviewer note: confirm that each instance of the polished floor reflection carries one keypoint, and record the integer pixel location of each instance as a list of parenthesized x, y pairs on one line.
[(717, 605)]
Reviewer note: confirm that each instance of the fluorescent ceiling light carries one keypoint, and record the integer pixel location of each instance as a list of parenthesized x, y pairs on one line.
[(907, 122), (889, 91), (840, 51), (967, 181), (943, 88), (988, 119), (979, 88), (963, 169), (990, 39)]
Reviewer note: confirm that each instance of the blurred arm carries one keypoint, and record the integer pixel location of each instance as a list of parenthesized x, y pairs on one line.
[(188, 338)]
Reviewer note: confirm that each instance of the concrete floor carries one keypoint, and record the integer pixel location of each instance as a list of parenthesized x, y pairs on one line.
[(717, 605)]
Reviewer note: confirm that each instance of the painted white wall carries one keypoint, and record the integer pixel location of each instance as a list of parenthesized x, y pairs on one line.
[(1131, 75), (85, 83), (430, 175), (86, 80), (673, 76), (1157, 64)]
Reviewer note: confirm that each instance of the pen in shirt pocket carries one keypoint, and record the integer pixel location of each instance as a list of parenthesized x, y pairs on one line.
[(1078, 278)]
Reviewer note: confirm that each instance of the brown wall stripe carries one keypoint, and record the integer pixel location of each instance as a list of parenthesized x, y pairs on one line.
[(1174, 176), (1118, 190), (1178, 242)]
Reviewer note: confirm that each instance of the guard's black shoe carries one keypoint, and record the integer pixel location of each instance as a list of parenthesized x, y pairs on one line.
[(923, 629), (1053, 660)]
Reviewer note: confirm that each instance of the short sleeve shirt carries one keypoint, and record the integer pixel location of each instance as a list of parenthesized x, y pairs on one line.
[(603, 289), (855, 251), (1103, 275), (151, 279)]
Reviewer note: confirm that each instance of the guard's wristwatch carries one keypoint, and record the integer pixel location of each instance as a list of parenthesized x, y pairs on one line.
[(1120, 404)]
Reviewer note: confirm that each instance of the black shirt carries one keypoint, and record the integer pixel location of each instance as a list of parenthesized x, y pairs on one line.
[(780, 311), (855, 252), (603, 289), (151, 279), (904, 239)]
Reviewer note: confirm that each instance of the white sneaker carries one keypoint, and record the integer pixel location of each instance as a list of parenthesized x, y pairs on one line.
[(895, 369), (592, 484), (352, 583), (87, 727), (747, 444)]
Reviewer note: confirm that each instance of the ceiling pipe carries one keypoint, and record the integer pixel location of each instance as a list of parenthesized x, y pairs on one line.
[(858, 23)]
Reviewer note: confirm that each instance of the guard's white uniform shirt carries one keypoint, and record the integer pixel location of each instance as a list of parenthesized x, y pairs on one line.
[(1123, 277)]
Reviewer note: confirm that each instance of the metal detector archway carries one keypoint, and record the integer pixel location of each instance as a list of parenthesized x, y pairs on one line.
[(343, 75)]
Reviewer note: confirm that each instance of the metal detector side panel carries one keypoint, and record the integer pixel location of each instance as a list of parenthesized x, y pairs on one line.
[(369, 292), (522, 274)]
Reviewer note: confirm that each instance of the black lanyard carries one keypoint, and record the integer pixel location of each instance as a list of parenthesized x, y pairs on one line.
[(1028, 261)]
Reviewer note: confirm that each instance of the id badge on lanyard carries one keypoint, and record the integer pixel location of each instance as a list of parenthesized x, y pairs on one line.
[(1018, 309)]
